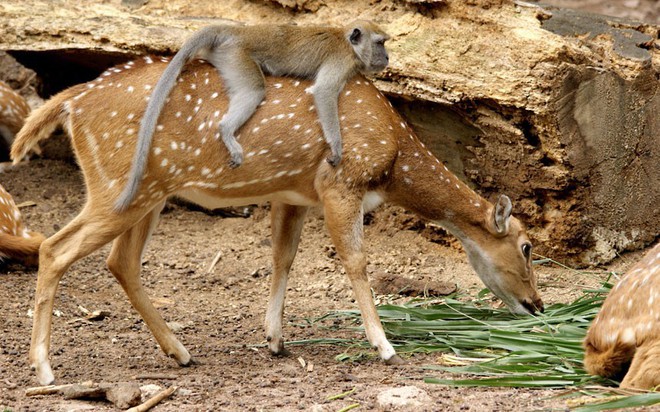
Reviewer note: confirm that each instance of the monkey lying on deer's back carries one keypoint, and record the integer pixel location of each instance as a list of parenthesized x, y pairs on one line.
[(285, 165), (241, 55)]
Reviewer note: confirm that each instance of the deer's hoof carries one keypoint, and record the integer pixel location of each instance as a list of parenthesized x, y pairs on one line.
[(395, 360)]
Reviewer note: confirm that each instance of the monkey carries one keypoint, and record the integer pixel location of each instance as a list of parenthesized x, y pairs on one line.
[(243, 54)]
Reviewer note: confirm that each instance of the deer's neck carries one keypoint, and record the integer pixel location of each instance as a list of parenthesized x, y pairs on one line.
[(420, 183)]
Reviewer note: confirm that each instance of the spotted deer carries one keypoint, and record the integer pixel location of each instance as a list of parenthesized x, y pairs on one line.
[(13, 111), (16, 241), (284, 164), (623, 341)]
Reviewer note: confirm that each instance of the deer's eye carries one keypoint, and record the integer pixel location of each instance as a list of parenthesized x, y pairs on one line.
[(527, 250)]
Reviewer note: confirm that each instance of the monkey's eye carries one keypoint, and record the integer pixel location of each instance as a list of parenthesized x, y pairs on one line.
[(527, 250)]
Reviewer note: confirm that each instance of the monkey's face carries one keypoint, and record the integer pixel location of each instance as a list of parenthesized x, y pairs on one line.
[(368, 42)]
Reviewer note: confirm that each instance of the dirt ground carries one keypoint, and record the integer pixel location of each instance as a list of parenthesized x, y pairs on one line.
[(220, 314)]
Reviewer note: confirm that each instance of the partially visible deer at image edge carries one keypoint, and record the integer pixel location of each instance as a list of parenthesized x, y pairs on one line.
[(284, 163), (16, 241), (623, 342), (13, 111)]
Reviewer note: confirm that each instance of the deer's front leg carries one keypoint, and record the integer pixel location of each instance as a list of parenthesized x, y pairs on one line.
[(343, 216), (286, 225)]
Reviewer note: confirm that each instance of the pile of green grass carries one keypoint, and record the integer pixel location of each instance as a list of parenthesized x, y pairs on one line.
[(495, 348)]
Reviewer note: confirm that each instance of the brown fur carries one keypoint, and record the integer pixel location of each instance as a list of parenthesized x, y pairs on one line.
[(624, 339), (16, 242), (13, 111), (284, 164)]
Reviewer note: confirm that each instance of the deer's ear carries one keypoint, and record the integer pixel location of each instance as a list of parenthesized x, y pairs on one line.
[(501, 216)]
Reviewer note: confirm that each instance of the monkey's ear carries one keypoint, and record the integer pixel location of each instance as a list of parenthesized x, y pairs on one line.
[(355, 36)]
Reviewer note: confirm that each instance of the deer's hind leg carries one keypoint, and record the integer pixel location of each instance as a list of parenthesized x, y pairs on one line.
[(125, 262), (86, 233)]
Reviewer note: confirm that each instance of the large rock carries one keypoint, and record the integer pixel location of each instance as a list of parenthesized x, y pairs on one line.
[(557, 109)]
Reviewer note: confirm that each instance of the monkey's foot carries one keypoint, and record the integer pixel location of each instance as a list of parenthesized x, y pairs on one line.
[(236, 160), (334, 160)]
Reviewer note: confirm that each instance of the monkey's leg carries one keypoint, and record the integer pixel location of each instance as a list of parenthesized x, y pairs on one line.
[(245, 85), (326, 90)]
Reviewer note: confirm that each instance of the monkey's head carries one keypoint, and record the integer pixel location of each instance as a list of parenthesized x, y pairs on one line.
[(368, 42)]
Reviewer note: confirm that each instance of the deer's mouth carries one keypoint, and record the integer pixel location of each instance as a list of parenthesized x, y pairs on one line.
[(533, 307)]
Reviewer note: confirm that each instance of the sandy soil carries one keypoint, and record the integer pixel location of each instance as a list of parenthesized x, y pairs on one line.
[(220, 314)]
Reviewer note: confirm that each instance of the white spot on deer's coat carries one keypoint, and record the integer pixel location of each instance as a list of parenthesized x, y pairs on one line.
[(628, 336), (130, 89), (130, 131), (173, 145), (157, 150), (188, 97), (214, 95), (405, 168), (163, 163), (177, 114)]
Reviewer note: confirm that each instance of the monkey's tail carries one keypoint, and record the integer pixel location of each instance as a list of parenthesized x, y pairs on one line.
[(206, 38), (41, 123)]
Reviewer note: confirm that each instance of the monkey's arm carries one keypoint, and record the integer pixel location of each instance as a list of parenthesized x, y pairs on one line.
[(329, 83), (204, 39)]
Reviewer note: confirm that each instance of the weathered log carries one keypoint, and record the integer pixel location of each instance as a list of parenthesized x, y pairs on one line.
[(556, 108)]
